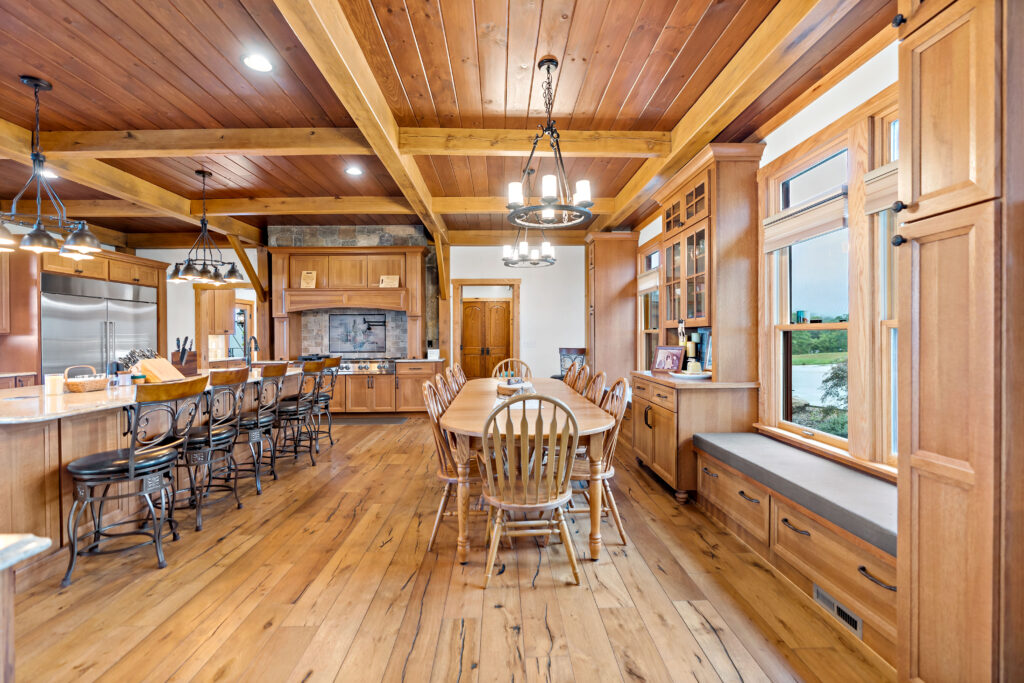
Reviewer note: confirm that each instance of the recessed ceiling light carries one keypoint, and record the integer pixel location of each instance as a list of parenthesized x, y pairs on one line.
[(47, 173), (354, 170), (257, 62)]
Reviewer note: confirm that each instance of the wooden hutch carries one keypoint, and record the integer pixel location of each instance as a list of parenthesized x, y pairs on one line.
[(708, 279)]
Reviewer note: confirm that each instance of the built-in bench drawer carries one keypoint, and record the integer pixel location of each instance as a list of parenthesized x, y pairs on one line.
[(744, 501), (655, 393), (856, 573)]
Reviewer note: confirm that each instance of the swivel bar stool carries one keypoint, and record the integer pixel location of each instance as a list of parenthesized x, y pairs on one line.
[(295, 415), (158, 424), (257, 425), (323, 403)]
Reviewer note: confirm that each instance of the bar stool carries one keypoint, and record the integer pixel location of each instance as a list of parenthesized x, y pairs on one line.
[(295, 415), (158, 422), (209, 451), (324, 398), (258, 425)]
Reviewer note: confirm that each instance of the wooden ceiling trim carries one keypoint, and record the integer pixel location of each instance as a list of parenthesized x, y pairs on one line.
[(517, 142), (498, 205), (15, 144), (792, 28), (127, 144), (254, 278), (324, 30)]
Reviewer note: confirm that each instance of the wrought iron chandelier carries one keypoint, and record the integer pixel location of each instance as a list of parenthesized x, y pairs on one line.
[(520, 254), (556, 206), (200, 265), (80, 243)]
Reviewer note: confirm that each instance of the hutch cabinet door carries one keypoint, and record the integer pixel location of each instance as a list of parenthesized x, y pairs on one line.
[(950, 132), (948, 280), (643, 430), (673, 293), (696, 274)]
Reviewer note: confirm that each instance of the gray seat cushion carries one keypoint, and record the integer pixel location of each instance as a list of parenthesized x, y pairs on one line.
[(857, 502)]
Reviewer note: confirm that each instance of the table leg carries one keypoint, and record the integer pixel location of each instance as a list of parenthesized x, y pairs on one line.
[(595, 451), (462, 456)]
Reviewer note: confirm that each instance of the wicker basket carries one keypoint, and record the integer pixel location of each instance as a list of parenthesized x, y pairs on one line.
[(507, 390), (92, 382)]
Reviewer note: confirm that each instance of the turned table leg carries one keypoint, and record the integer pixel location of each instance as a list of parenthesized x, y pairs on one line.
[(595, 451), (462, 456)]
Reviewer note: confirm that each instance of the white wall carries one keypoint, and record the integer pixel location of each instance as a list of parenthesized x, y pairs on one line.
[(551, 305), (871, 78), (181, 299)]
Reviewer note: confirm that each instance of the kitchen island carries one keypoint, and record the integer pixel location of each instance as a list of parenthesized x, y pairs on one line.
[(39, 436)]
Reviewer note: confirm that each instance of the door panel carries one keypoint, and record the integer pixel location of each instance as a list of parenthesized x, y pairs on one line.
[(358, 396), (643, 434), (74, 332), (498, 334), (663, 459), (318, 264), (947, 454), (474, 336), (347, 271), (383, 387), (384, 264)]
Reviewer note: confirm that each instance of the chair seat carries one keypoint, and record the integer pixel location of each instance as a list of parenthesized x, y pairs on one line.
[(323, 398), (581, 470), (197, 436), (525, 500), (294, 406), (112, 463), (256, 420)]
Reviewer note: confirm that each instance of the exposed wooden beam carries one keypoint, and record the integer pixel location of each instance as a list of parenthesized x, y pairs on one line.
[(442, 269), (499, 205), (168, 240), (324, 31), (517, 143), (126, 144), (271, 206), (254, 278), (98, 208), (791, 28), (483, 238), (105, 235), (15, 144)]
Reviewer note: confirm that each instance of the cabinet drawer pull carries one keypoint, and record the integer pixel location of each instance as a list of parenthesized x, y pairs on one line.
[(873, 579), (709, 473), (639, 388), (744, 496), (662, 396), (802, 532)]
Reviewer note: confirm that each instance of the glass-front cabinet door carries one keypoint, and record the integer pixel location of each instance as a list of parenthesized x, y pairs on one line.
[(696, 275), (673, 288)]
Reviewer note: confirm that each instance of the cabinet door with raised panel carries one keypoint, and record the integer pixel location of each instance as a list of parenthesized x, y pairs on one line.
[(643, 430), (358, 395), (347, 271), (948, 502), (384, 264), (950, 111), (383, 387), (912, 14), (122, 271), (299, 263), (663, 445)]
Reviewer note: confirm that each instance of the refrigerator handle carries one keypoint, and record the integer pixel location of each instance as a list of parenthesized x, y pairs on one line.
[(111, 346), (103, 345)]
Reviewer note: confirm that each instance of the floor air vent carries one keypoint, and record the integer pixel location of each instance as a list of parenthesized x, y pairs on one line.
[(848, 618)]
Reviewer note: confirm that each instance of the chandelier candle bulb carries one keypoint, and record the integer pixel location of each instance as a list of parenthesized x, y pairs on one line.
[(547, 214), (506, 251), (582, 192), (547, 249), (515, 194), (535, 255), (524, 248), (549, 188)]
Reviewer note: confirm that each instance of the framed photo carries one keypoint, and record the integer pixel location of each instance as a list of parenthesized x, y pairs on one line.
[(388, 281), (707, 355), (308, 279), (667, 359)]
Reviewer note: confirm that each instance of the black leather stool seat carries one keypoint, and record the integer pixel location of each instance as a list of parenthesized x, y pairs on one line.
[(112, 463), (293, 406), (323, 399), (197, 436), (256, 420)]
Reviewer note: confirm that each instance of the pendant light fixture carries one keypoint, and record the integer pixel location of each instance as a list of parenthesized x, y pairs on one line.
[(81, 243), (555, 206), (521, 254), (200, 265)]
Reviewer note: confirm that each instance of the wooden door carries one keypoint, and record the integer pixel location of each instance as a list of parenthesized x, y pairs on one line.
[(663, 444), (358, 396), (498, 335), (948, 502), (348, 271), (383, 388), (950, 111), (474, 337)]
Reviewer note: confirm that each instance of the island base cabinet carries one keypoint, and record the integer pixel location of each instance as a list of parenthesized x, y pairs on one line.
[(30, 497)]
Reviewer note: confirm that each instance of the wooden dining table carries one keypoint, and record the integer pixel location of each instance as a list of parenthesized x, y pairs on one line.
[(465, 419)]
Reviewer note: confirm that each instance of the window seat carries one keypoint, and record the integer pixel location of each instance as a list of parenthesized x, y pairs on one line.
[(863, 505)]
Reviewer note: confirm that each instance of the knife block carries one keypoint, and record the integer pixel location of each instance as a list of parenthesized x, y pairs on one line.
[(189, 368)]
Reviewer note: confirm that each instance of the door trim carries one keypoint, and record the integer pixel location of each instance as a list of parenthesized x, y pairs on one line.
[(457, 286)]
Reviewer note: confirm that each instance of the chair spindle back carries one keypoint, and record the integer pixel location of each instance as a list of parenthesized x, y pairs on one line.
[(613, 403), (511, 367), (443, 442), (595, 390)]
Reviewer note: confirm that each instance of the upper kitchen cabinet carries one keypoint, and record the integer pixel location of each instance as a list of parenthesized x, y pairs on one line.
[(95, 268), (709, 260), (347, 271), (912, 14), (950, 110), (316, 264)]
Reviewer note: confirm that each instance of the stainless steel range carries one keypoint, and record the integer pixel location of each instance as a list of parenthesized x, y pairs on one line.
[(375, 366)]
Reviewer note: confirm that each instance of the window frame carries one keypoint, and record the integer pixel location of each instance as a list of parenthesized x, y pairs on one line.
[(647, 248)]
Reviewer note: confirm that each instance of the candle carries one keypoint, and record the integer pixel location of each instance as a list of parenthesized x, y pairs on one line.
[(549, 187), (515, 194), (506, 251), (524, 248), (582, 191), (547, 214)]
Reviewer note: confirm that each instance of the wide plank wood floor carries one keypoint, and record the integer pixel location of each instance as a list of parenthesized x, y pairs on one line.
[(326, 577)]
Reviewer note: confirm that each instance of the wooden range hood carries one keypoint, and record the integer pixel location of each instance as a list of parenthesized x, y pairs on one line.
[(298, 300)]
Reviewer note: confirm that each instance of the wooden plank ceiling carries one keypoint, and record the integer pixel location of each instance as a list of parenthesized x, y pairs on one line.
[(626, 65)]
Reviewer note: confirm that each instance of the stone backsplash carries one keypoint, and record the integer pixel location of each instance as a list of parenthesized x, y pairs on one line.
[(316, 332), (367, 236)]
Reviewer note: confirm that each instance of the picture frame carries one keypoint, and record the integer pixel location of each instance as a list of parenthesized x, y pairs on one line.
[(707, 355), (667, 359), (308, 280), (388, 281)]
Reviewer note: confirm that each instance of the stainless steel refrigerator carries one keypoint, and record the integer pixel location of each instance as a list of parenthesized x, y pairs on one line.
[(91, 322)]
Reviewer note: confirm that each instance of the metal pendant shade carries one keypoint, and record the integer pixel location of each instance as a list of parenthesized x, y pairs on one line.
[(205, 261), (552, 205), (80, 243)]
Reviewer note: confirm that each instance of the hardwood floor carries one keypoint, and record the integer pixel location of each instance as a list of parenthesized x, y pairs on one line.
[(326, 577)]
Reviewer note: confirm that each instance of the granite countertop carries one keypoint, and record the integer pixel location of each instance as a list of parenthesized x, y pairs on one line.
[(31, 404), (17, 547), (668, 380)]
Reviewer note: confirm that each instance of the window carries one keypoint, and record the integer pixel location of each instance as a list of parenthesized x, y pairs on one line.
[(814, 332), (822, 178), (648, 303), (649, 326), (651, 261), (893, 153), (888, 333)]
